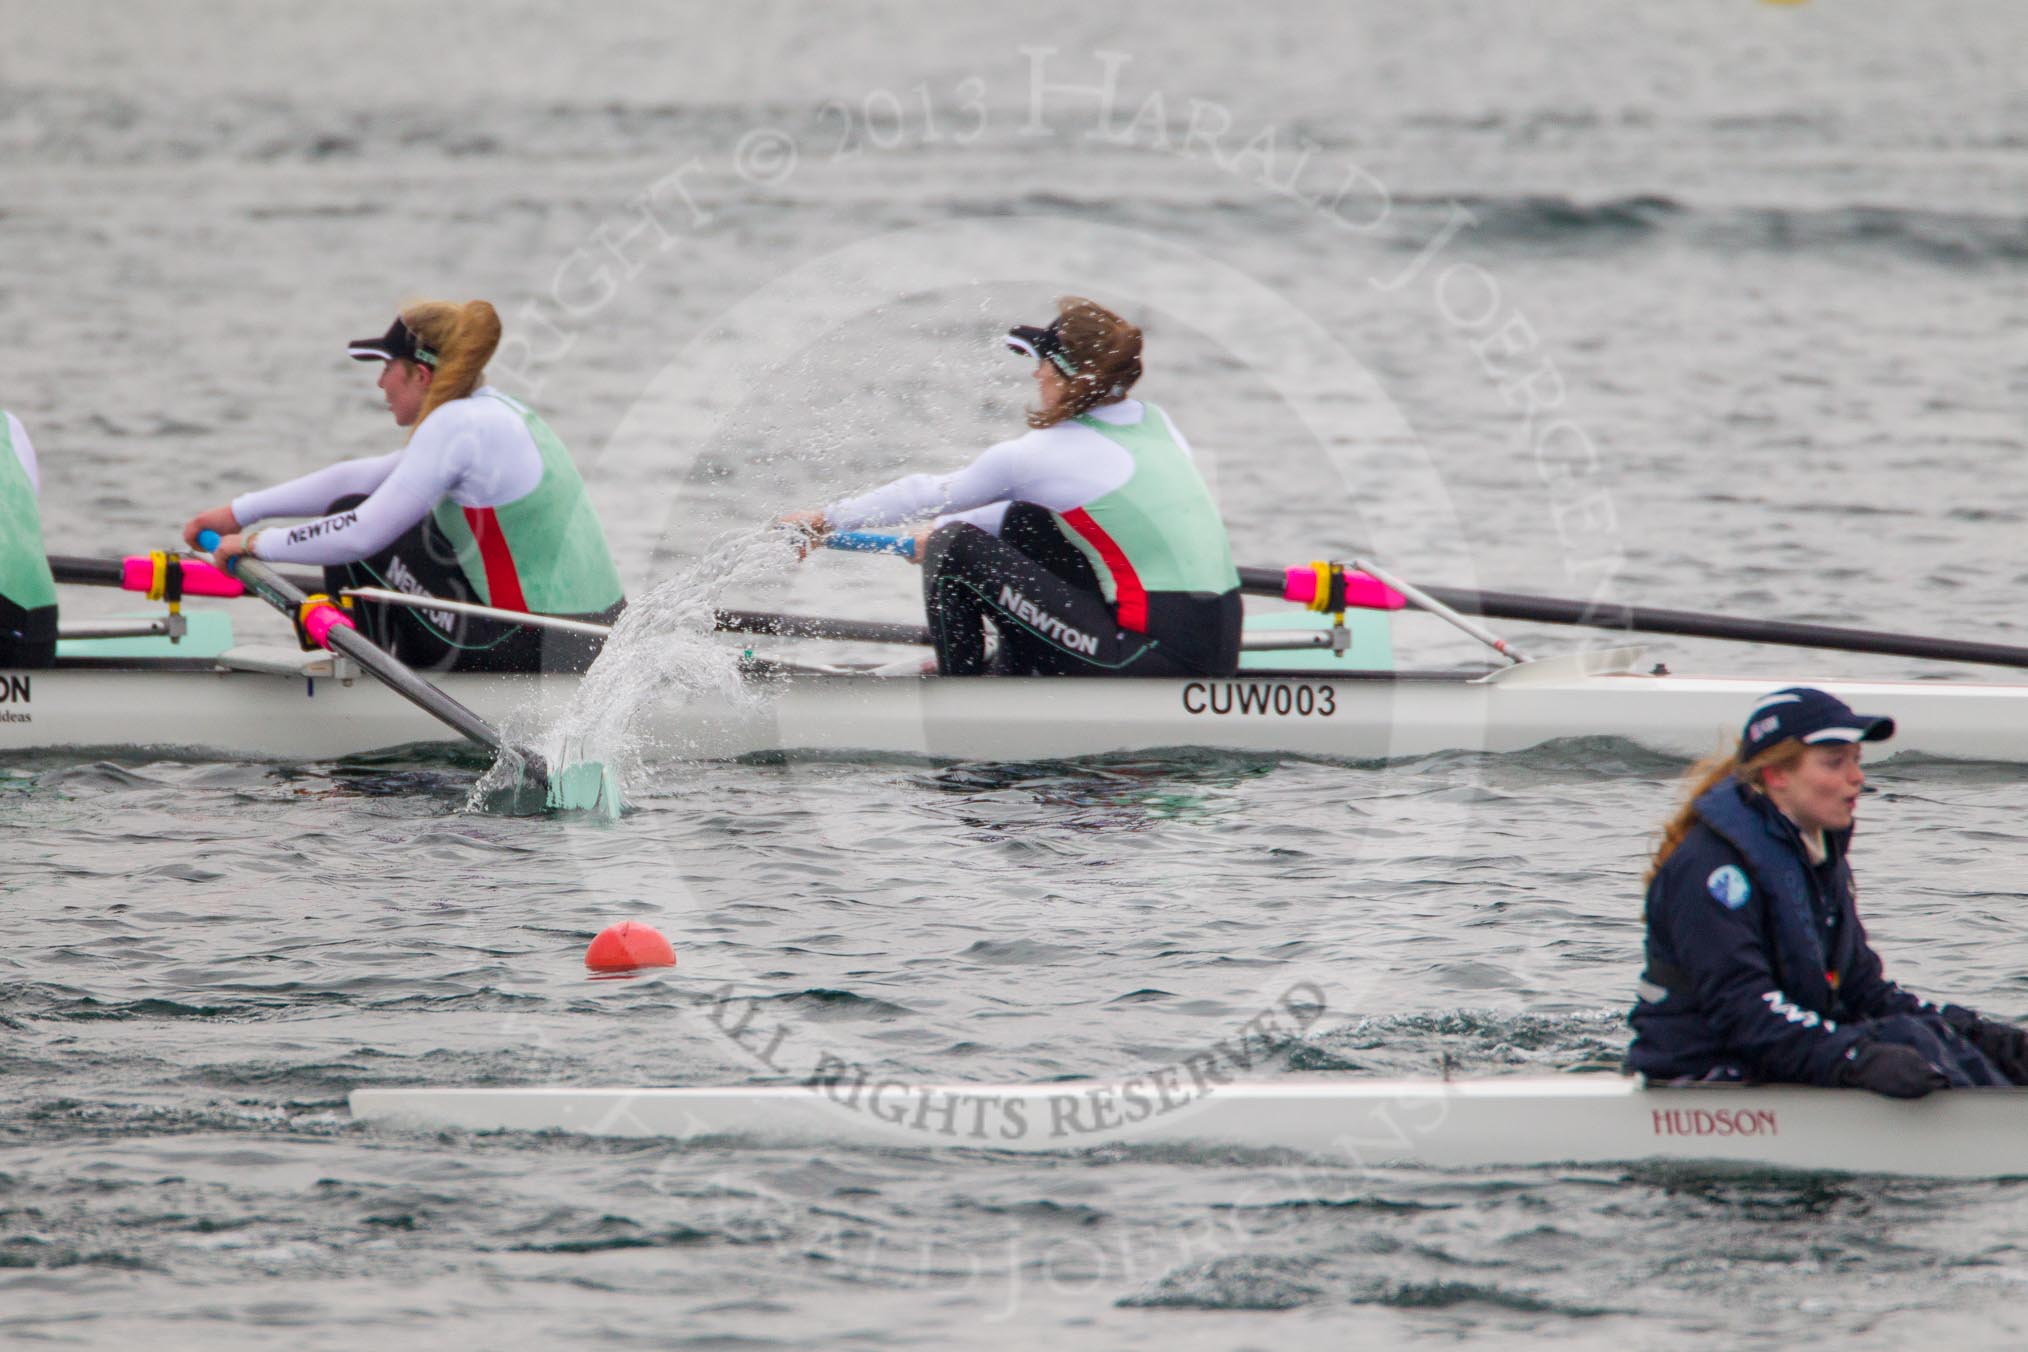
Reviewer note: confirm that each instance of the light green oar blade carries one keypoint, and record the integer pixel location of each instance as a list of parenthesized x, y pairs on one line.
[(584, 786)]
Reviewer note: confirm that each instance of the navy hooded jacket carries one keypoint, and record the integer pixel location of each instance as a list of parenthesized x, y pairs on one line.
[(1757, 965)]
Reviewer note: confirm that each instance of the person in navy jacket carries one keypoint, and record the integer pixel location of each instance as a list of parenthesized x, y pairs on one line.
[(1757, 966)]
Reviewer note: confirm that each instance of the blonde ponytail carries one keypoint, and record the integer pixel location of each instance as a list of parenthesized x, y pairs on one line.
[(463, 337)]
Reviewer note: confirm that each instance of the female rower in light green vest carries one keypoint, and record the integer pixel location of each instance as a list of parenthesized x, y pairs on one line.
[(27, 591), (1091, 543), (482, 505)]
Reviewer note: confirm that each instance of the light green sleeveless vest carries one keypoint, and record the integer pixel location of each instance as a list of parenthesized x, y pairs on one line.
[(552, 533), (24, 568), (1162, 518)]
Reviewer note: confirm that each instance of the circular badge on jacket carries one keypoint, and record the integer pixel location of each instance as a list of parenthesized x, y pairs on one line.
[(1729, 885)]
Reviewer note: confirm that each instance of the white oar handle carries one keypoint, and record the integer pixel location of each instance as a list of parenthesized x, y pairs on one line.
[(1442, 611)]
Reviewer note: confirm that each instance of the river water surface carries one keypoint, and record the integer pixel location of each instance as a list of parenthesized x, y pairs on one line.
[(1706, 306)]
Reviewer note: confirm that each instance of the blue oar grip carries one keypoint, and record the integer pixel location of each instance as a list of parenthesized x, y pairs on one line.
[(207, 540), (868, 542)]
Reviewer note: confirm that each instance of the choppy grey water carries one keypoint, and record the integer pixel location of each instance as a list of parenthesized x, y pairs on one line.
[(1710, 306)]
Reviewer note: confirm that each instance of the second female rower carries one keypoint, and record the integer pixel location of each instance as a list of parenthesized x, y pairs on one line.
[(482, 505), (1090, 543)]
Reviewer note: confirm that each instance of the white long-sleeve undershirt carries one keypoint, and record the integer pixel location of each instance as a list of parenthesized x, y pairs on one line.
[(476, 451), (1061, 468), (24, 451)]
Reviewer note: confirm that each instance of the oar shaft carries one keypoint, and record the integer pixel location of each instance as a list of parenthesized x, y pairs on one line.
[(279, 592), (1439, 609), (1697, 624), (84, 572), (415, 602), (417, 691), (813, 626), (733, 621), (1688, 623)]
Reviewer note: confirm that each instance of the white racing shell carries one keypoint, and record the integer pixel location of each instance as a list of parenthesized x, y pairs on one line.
[(1568, 1119), (275, 702)]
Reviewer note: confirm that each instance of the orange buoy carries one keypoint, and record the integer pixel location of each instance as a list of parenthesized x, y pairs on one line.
[(627, 945)]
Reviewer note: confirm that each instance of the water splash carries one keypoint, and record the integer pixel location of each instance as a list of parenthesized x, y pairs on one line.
[(663, 651)]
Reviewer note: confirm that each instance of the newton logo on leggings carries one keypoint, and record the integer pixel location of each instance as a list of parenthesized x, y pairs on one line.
[(1025, 610)]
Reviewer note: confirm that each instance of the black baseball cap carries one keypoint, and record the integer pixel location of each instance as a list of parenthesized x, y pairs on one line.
[(399, 343), (1810, 716), (1041, 345)]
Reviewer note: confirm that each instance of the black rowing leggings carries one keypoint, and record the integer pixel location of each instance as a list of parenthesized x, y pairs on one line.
[(27, 635), (1039, 593), (423, 561)]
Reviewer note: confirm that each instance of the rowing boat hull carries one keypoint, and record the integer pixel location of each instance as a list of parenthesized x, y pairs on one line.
[(239, 711), (1579, 1120)]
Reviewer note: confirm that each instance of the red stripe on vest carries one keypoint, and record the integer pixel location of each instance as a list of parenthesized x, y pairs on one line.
[(503, 581), (1130, 598)]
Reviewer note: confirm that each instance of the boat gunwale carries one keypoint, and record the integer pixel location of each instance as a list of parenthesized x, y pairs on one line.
[(143, 666)]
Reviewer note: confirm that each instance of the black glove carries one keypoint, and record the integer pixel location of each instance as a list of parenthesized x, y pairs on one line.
[(2004, 1045), (1891, 1069)]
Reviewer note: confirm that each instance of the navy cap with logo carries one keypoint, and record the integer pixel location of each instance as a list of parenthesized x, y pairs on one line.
[(1041, 345), (1810, 716), (399, 343)]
